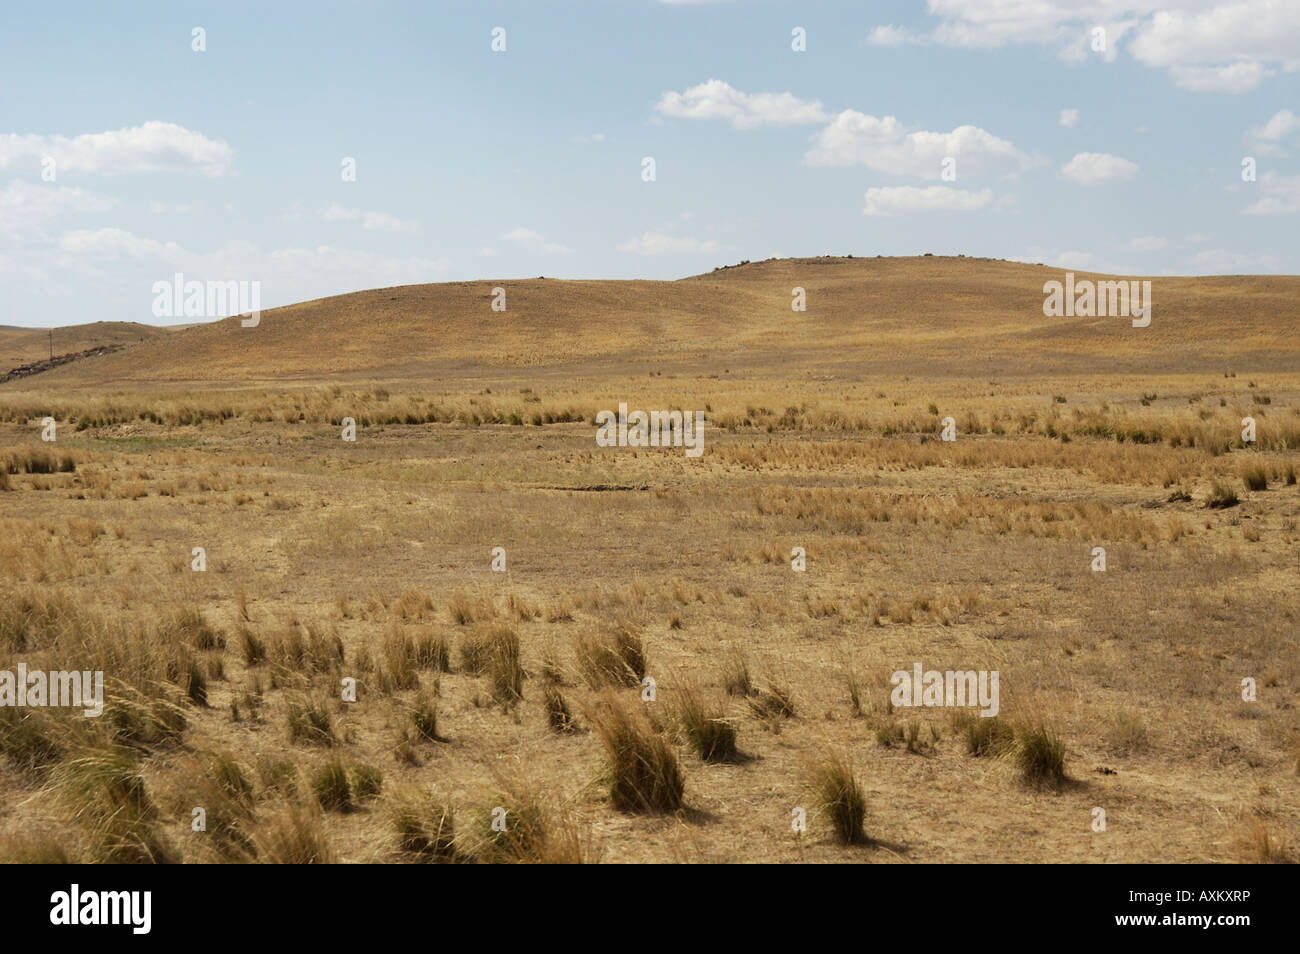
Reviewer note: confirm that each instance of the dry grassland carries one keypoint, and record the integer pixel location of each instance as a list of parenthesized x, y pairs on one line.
[(479, 690)]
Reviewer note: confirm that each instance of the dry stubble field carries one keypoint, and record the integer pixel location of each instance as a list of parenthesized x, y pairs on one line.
[(371, 560)]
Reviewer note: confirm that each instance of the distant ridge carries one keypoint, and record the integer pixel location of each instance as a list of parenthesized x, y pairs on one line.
[(955, 315)]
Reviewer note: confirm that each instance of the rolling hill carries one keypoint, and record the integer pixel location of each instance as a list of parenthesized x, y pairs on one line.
[(25, 346), (932, 315)]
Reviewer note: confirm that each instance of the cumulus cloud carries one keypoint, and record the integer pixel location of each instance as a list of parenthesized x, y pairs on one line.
[(716, 99), (1279, 126), (1098, 168), (1239, 77), (1069, 118), (1279, 195), (370, 221), (534, 241), (113, 244), (27, 210), (907, 200), (660, 243), (1267, 139), (1223, 260), (126, 265), (153, 147), (889, 36), (1206, 45), (885, 145), (1147, 243), (1222, 47)]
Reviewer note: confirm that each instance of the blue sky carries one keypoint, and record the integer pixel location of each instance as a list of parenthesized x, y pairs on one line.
[(473, 164)]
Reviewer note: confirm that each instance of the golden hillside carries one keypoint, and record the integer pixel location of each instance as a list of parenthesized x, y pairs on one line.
[(22, 346), (962, 316)]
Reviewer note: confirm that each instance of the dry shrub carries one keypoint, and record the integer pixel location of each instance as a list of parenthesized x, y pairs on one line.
[(643, 774)]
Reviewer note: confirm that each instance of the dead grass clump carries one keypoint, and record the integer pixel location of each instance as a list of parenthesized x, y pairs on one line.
[(310, 722), (424, 717), (984, 736), (30, 739), (523, 827), (774, 701), (223, 789), (1221, 497), (431, 651), (476, 647), (1039, 753), (643, 774), (736, 679), (504, 668), (367, 782), (841, 799), (1259, 843), (705, 725), (423, 824), (1255, 478), (615, 659), (466, 609), (294, 834), (395, 667), (558, 715), (252, 646), (329, 783), (104, 792)]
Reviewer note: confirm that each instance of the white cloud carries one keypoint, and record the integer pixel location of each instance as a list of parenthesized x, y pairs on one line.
[(1147, 243), (889, 36), (521, 234), (370, 221), (535, 242), (1207, 45), (122, 263), (1073, 259), (716, 99), (1222, 46), (1239, 77), (1225, 260), (885, 145), (154, 147), (1280, 125), (1267, 139), (659, 243), (1069, 118), (1098, 168), (1279, 195), (26, 209), (487, 251), (115, 244), (905, 200)]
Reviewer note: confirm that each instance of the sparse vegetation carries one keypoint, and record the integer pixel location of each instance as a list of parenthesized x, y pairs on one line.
[(841, 799), (643, 773), (327, 561)]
